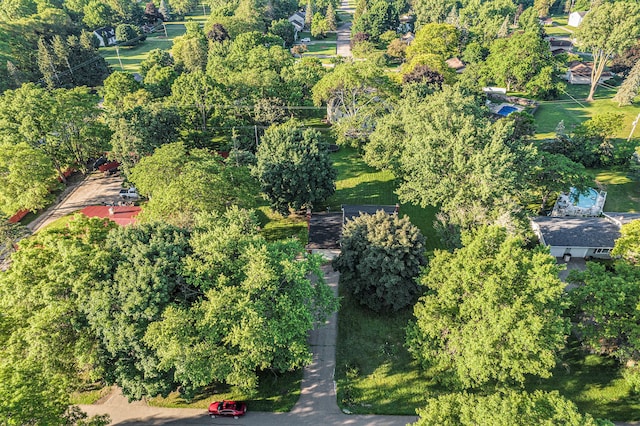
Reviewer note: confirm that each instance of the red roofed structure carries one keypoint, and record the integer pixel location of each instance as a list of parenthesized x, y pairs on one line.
[(122, 215)]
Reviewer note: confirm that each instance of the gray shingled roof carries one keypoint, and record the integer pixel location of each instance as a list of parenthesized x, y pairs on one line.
[(594, 232), (325, 230)]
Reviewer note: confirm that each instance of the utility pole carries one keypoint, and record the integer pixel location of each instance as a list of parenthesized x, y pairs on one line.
[(119, 60), (255, 127), (165, 30), (633, 127), (204, 11)]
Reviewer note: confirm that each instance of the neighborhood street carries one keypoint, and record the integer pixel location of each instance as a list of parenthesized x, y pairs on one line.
[(343, 44)]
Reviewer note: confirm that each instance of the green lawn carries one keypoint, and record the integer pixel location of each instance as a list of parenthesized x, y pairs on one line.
[(575, 111), (320, 49), (358, 183), (132, 56), (623, 190), (306, 34)]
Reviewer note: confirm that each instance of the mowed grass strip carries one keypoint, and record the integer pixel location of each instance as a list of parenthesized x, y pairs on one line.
[(622, 187), (572, 108)]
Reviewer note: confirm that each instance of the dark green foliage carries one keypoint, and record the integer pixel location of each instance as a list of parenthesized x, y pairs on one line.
[(294, 168), (492, 312), (380, 260), (283, 29), (511, 408), (127, 35), (629, 87)]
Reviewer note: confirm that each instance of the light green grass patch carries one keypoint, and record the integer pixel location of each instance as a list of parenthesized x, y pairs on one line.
[(320, 49), (574, 112), (623, 189)]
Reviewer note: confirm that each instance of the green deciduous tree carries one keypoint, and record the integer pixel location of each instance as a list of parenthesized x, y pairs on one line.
[(127, 35), (438, 39), (607, 30), (116, 87), (181, 184), (283, 29), (253, 317), (190, 50), (356, 95), (628, 245), (294, 168), (380, 260), (515, 61), (27, 176), (142, 276), (512, 408), (319, 26), (492, 312), (606, 303)]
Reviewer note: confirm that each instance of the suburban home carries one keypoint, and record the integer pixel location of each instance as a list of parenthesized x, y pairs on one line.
[(297, 20), (580, 73), (576, 18), (546, 22), (455, 64), (106, 36), (581, 237), (563, 44)]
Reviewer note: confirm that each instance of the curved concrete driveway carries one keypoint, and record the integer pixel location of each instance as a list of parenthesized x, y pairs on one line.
[(317, 404), (93, 189)]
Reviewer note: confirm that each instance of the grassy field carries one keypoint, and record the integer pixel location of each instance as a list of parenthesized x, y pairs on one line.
[(320, 49), (623, 190), (575, 111), (130, 57)]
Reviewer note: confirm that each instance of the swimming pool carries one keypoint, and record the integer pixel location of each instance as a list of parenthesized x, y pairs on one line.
[(585, 200), (506, 110)]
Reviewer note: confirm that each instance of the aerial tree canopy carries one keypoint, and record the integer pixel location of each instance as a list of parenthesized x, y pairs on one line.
[(380, 260), (294, 168), (492, 312), (510, 408)]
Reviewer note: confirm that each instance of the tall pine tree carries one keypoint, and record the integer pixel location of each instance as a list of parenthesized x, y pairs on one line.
[(629, 87)]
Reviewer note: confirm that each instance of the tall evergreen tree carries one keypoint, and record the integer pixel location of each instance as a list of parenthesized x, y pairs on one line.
[(164, 10), (331, 17), (629, 87), (308, 14)]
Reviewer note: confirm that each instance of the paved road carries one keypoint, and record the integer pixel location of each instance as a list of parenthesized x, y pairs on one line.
[(93, 189), (343, 44), (317, 404)]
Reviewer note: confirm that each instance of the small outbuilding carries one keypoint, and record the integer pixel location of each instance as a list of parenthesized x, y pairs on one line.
[(122, 215), (575, 18)]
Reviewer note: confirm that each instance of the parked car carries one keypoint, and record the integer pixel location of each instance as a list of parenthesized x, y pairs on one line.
[(129, 194), (305, 40), (227, 408)]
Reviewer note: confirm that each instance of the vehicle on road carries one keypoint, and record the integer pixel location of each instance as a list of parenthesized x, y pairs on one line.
[(305, 40), (227, 408), (129, 194)]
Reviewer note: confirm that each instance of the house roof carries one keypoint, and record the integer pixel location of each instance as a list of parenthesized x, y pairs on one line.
[(350, 212), (122, 215), (593, 232), (455, 63), (554, 42), (581, 13), (325, 230), (584, 69)]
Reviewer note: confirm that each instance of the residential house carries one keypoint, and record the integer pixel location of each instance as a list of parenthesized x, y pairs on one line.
[(576, 18), (297, 20), (106, 36), (561, 44), (580, 73), (581, 237)]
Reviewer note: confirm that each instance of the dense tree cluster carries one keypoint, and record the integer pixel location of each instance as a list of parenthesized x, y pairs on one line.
[(380, 260)]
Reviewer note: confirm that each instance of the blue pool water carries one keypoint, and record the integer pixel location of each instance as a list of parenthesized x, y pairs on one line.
[(506, 110), (585, 200)]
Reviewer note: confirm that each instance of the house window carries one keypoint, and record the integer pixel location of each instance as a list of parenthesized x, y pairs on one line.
[(602, 251)]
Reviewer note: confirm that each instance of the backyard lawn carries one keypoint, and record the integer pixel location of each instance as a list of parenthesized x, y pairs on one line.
[(623, 190), (382, 378), (575, 111), (132, 56)]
